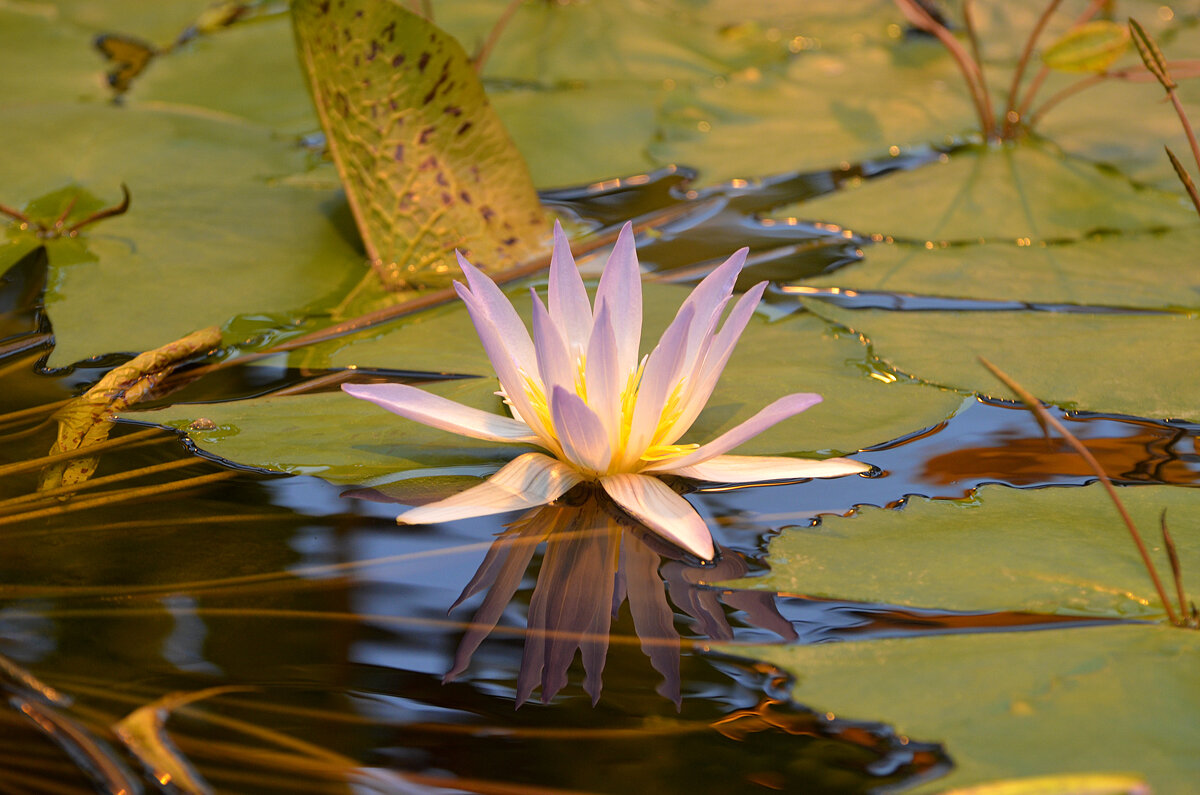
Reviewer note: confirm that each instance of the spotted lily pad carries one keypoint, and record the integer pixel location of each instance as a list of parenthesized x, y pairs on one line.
[(425, 161)]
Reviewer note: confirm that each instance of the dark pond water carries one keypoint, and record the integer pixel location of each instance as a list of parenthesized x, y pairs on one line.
[(581, 656)]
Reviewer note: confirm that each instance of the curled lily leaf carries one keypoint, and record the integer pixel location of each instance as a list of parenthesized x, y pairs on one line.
[(577, 388), (87, 420)]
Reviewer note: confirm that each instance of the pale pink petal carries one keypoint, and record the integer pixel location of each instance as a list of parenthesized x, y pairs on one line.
[(621, 288), (659, 379), (569, 307), (583, 437), (525, 482), (776, 412), (603, 382), (708, 372), (651, 502), (508, 371), (554, 362), (496, 307), (753, 469), (709, 300), (438, 412)]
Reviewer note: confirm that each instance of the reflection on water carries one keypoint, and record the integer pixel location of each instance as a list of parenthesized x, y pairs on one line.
[(595, 561), (334, 623)]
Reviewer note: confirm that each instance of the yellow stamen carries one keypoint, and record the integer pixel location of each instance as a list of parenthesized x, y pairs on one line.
[(662, 452)]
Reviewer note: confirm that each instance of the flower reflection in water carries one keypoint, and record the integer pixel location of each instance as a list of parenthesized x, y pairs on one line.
[(596, 559)]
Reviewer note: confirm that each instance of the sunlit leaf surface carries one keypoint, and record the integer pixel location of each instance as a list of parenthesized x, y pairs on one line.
[(1022, 704), (1060, 551), (1065, 358)]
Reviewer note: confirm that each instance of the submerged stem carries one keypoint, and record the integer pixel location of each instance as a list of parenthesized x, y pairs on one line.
[(129, 440), (1046, 418), (119, 496)]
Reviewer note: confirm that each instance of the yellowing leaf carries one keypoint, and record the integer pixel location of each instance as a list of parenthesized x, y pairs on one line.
[(426, 164), (1090, 48)]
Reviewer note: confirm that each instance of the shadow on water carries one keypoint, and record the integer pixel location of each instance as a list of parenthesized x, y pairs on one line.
[(551, 629)]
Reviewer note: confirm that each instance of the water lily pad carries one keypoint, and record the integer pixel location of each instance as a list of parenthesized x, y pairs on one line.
[(1144, 271), (351, 443), (64, 68), (1114, 699), (1023, 193), (1060, 550), (825, 109), (1064, 358), (249, 71), (207, 236)]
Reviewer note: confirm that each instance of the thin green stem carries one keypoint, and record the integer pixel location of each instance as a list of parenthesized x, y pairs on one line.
[(1046, 418)]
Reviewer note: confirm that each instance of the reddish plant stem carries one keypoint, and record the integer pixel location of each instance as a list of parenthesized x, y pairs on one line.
[(971, 70), (1035, 86), (1010, 107), (494, 35), (1046, 418)]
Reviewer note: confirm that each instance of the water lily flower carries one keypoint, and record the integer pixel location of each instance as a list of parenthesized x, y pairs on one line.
[(579, 390)]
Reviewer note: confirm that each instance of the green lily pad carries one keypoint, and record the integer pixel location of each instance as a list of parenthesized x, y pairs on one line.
[(207, 236), (774, 358), (1016, 193), (1112, 699), (573, 135), (248, 70), (824, 110), (1064, 358), (426, 164), (1131, 140), (1062, 550), (43, 61), (159, 23), (1143, 271)]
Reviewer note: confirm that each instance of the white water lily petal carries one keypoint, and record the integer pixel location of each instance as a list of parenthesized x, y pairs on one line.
[(508, 371), (569, 306), (525, 482), (659, 378), (709, 299), (499, 310), (754, 469), (708, 372), (554, 362), (778, 411), (583, 437), (621, 288), (653, 503), (604, 383), (438, 412)]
